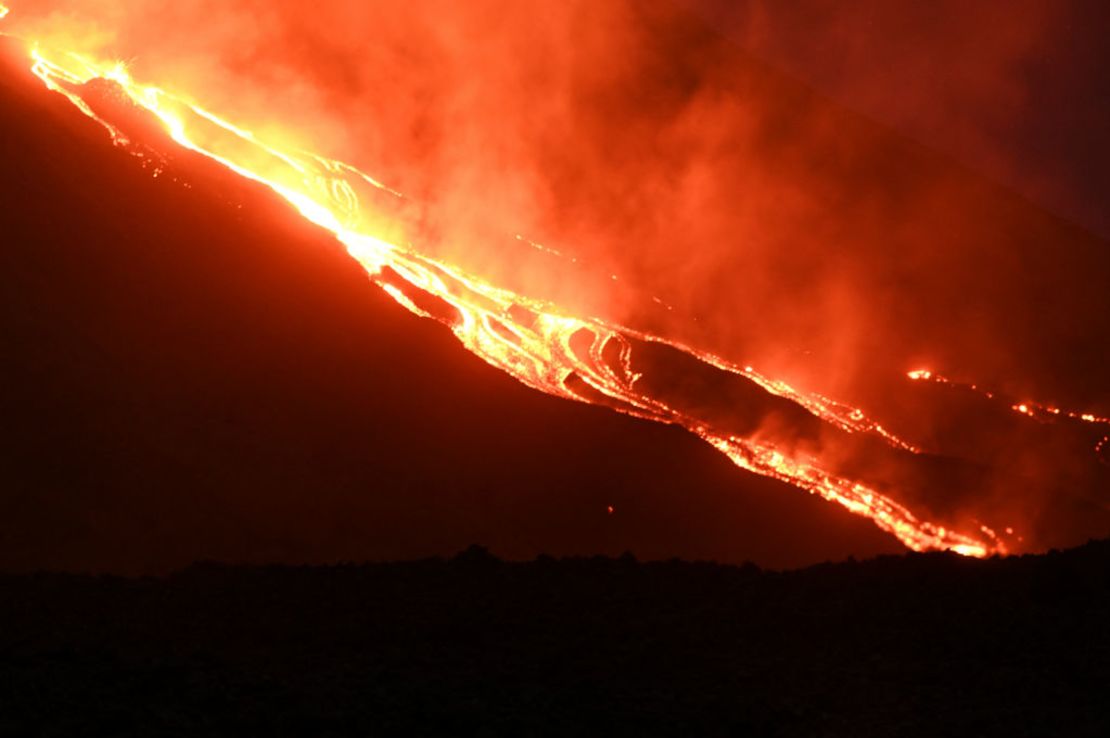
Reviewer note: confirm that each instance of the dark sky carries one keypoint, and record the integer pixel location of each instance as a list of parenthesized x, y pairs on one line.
[(1019, 91)]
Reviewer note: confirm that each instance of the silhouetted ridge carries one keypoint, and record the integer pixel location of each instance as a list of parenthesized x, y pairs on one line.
[(909, 645)]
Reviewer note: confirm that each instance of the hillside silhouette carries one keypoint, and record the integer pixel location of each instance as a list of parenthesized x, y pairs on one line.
[(917, 644)]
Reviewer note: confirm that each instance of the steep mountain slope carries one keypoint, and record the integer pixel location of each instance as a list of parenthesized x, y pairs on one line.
[(192, 372)]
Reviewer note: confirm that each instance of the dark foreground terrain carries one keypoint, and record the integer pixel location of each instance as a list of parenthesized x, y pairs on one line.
[(911, 645)]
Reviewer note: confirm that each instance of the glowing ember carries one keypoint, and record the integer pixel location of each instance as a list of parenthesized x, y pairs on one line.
[(578, 358)]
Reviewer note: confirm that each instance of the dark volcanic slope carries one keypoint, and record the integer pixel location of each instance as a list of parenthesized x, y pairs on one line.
[(192, 372), (915, 645)]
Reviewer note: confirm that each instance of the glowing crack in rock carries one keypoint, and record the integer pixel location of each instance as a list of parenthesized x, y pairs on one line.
[(531, 340)]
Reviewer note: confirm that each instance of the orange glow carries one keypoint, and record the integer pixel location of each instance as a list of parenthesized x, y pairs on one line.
[(1036, 410), (1032, 409), (536, 342)]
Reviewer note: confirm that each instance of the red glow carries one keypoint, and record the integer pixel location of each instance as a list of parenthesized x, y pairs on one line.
[(551, 346)]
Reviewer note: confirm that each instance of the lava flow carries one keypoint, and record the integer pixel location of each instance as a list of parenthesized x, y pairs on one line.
[(578, 358), (1036, 410)]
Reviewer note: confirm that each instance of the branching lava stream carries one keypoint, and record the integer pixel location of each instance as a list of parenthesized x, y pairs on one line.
[(574, 357)]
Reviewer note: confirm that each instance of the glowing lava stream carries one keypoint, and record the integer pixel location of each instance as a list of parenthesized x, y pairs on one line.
[(527, 338), (1036, 410)]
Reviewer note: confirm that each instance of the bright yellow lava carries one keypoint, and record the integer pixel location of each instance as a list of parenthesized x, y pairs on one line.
[(527, 338)]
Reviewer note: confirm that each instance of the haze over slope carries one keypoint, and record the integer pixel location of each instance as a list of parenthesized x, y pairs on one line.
[(735, 210), (782, 229)]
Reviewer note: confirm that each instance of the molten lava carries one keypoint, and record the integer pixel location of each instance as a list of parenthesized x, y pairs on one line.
[(1038, 411), (570, 356)]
